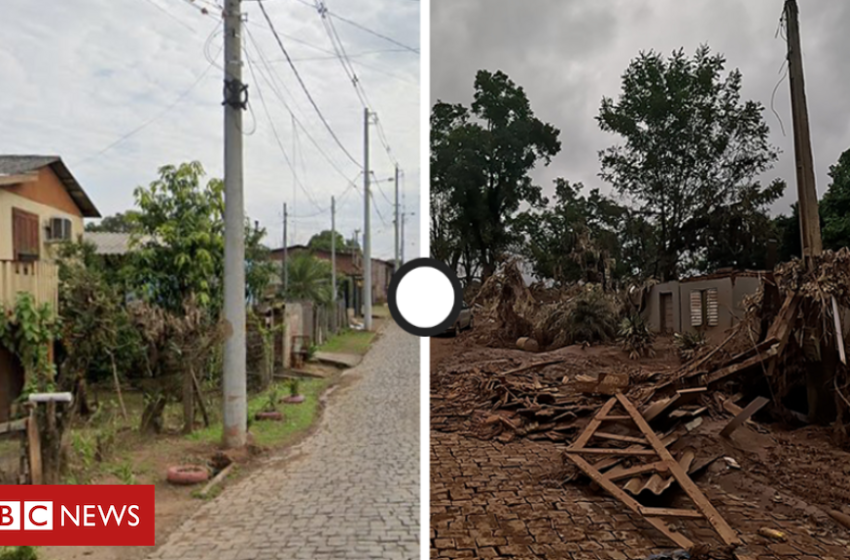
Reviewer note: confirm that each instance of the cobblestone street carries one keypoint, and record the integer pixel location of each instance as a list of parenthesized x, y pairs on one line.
[(490, 500), (351, 490)]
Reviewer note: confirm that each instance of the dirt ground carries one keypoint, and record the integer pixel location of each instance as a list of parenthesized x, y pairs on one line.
[(495, 499)]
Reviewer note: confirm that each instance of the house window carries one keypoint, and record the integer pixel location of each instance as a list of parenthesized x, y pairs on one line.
[(25, 235), (704, 308)]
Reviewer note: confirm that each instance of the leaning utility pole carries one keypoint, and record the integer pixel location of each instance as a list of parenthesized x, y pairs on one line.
[(285, 253), (367, 241), (806, 189), (333, 249), (395, 222), (235, 412)]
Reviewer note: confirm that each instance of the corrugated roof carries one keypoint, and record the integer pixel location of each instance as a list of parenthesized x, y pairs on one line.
[(21, 164), (111, 243)]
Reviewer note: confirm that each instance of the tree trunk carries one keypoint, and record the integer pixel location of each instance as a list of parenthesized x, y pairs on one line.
[(188, 400), (118, 386), (152, 415)]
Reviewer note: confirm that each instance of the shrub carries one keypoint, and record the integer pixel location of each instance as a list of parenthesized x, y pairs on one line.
[(688, 344), (592, 318), (18, 553), (635, 337)]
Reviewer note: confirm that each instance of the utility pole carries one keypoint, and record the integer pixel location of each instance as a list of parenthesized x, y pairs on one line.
[(333, 249), (402, 237), (806, 189), (820, 375), (367, 241), (235, 413), (285, 253), (396, 222)]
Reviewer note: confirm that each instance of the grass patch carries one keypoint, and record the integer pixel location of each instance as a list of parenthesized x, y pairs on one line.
[(297, 417), (349, 342), (18, 553)]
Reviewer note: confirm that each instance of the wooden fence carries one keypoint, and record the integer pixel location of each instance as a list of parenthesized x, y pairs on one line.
[(20, 451), (39, 278)]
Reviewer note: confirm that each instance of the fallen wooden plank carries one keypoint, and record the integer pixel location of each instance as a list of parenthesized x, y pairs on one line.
[(757, 404), (729, 536), (681, 398), (628, 501), (618, 437), (609, 462), (719, 375), (607, 451), (670, 512), (594, 424)]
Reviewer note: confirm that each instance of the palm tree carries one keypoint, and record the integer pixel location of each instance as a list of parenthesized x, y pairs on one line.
[(309, 278)]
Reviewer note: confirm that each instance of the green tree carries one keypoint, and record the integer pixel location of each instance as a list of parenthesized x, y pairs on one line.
[(309, 278), (835, 206), (183, 255), (122, 222), (322, 242), (481, 158), (259, 268), (691, 150), (576, 238), (737, 233)]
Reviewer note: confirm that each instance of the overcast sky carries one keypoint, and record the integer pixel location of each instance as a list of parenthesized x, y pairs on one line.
[(78, 75), (568, 54)]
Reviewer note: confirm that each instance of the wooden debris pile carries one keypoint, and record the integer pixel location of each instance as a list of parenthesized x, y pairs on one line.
[(626, 448), (493, 400)]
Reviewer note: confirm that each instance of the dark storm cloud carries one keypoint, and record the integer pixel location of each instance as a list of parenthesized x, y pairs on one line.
[(569, 54)]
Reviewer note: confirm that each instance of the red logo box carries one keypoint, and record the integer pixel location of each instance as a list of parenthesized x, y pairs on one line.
[(98, 515)]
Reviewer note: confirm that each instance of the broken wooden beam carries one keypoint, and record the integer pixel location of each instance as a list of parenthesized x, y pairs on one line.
[(723, 373), (628, 501), (757, 404), (729, 536), (681, 398)]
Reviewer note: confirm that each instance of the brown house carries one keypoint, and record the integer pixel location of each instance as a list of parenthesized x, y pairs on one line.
[(41, 205), (349, 265), (711, 303)]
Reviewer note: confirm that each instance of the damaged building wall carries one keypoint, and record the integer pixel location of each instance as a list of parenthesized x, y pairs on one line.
[(712, 304)]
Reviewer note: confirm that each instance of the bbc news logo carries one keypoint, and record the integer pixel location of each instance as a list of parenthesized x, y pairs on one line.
[(98, 515)]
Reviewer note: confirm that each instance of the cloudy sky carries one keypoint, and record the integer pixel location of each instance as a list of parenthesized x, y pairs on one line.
[(80, 75), (568, 54)]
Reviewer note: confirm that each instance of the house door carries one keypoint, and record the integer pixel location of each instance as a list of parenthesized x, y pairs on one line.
[(667, 312)]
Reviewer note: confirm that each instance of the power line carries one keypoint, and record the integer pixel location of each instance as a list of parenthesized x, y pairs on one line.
[(152, 119), (378, 183), (172, 16), (271, 82), (375, 33), (304, 86), (274, 131), (348, 67), (363, 28)]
